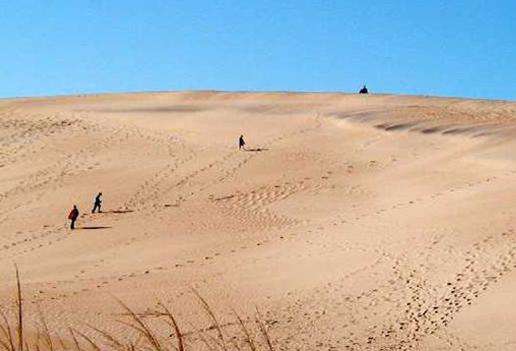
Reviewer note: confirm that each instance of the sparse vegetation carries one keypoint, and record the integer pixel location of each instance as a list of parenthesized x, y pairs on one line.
[(237, 336)]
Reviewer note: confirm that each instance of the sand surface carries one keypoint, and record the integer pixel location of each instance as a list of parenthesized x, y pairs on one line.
[(354, 222)]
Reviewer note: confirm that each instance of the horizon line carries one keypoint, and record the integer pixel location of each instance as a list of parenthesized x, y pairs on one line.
[(300, 92)]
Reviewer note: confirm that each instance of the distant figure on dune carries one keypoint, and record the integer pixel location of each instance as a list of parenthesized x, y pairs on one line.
[(363, 90), (241, 143), (97, 203), (74, 214)]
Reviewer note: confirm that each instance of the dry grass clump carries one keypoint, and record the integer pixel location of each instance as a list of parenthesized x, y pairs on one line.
[(237, 336)]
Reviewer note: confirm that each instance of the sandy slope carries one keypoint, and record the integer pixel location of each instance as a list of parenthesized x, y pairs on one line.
[(365, 222)]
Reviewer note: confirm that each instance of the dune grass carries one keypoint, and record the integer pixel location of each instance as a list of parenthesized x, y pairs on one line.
[(245, 334)]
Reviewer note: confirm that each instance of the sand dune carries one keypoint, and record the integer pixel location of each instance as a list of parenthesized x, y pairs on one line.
[(354, 222)]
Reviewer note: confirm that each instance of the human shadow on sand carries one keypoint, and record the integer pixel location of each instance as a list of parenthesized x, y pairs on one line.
[(118, 211), (258, 149), (95, 227)]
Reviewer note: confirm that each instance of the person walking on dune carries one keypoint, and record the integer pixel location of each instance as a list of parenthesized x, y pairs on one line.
[(74, 214), (241, 143), (364, 90), (96, 205)]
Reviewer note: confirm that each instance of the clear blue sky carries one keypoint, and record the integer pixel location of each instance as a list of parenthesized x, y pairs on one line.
[(449, 48)]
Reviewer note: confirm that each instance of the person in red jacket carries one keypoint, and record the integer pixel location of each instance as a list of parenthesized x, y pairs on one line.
[(74, 214)]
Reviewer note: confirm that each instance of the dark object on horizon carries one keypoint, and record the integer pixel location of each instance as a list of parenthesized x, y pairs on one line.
[(74, 214), (97, 203), (241, 143), (364, 90)]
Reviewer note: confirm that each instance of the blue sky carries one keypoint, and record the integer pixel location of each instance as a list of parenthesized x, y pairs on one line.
[(448, 48)]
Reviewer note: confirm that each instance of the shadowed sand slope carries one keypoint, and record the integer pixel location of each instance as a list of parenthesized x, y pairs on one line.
[(353, 222)]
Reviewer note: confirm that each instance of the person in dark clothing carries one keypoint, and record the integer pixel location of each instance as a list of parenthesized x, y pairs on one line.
[(74, 214), (363, 90), (241, 143), (97, 203)]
